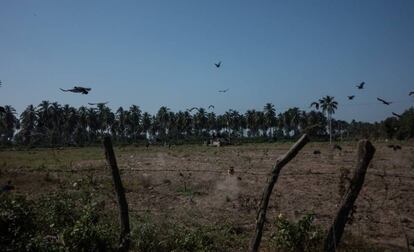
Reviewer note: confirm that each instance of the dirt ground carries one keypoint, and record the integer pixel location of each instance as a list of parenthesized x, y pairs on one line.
[(193, 183)]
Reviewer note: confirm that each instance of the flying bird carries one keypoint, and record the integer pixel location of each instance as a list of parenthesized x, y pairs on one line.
[(410, 94), (397, 115), (0, 83), (211, 107), (223, 91), (193, 108), (218, 64), (97, 103), (76, 89), (383, 101), (361, 86), (314, 104), (351, 97)]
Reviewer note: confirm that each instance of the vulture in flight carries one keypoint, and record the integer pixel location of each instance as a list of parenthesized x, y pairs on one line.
[(76, 89), (314, 104), (351, 97), (384, 101), (211, 107), (193, 108), (97, 103), (410, 94), (361, 86), (397, 115), (223, 91), (218, 64)]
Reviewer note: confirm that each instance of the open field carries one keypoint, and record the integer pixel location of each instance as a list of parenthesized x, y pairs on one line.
[(191, 184)]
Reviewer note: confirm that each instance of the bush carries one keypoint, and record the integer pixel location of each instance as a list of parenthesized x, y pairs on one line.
[(300, 236), (167, 236), (16, 223), (59, 222)]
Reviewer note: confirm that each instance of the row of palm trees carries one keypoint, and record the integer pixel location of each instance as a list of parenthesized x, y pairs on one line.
[(54, 124)]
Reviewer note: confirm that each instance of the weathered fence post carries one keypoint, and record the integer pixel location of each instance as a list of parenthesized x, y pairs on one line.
[(365, 153), (280, 163), (120, 195)]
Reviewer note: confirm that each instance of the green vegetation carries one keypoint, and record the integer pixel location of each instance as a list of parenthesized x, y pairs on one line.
[(51, 124), (300, 236), (54, 223), (73, 222)]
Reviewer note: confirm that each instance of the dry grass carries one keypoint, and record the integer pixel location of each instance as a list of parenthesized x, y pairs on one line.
[(155, 179)]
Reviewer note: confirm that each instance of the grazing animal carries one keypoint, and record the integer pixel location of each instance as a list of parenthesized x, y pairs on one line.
[(8, 187), (361, 86), (316, 152), (394, 147), (384, 101), (211, 107), (97, 103), (337, 147), (351, 97), (223, 91), (2, 109), (76, 89), (314, 104), (397, 115), (411, 93), (218, 64)]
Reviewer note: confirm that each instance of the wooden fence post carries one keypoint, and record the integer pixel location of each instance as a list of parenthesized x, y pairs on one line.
[(120, 195), (365, 154), (280, 163)]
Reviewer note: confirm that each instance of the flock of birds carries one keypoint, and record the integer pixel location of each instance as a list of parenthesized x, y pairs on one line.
[(351, 97)]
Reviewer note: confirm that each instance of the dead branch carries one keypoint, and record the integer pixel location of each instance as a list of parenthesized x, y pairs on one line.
[(280, 163), (365, 153)]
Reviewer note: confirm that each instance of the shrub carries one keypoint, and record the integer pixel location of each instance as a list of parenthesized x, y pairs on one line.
[(16, 223), (299, 236), (58, 222)]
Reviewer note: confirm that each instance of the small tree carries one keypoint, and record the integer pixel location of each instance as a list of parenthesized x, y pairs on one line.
[(329, 105)]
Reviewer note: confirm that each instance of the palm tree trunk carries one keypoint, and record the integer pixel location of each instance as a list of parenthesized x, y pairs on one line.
[(330, 128)]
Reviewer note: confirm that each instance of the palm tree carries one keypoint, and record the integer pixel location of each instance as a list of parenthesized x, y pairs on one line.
[(291, 119), (269, 117), (146, 123), (43, 111), (329, 105), (28, 123), (133, 122), (71, 120), (251, 122), (162, 119), (8, 123), (212, 123), (200, 121)]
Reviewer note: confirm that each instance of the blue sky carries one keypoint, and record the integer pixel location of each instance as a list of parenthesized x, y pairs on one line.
[(155, 53)]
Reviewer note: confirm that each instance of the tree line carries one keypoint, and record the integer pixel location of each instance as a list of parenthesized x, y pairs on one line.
[(53, 124)]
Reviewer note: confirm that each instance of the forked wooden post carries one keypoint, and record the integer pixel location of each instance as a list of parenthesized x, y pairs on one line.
[(120, 195), (280, 163), (365, 154)]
